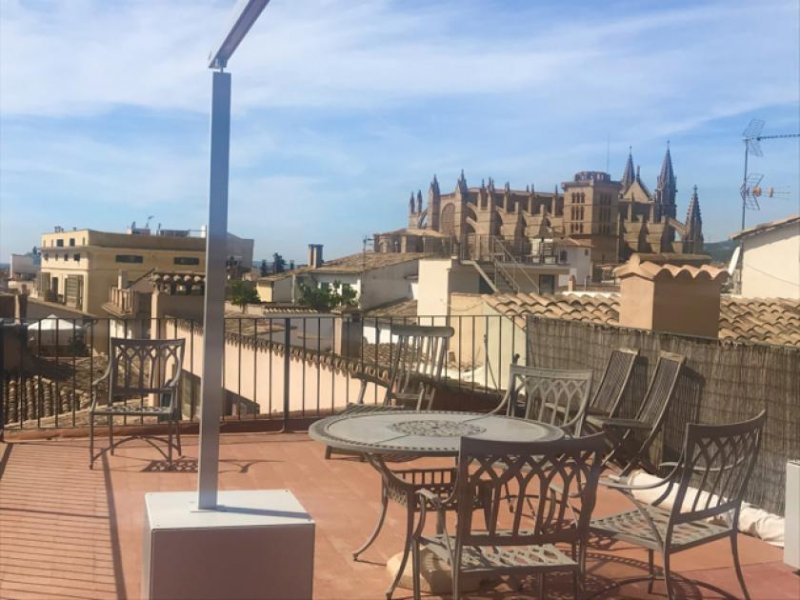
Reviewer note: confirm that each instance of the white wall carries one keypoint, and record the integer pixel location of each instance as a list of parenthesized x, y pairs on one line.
[(387, 284), (433, 287), (579, 261), (771, 264), (375, 287), (23, 265), (256, 374)]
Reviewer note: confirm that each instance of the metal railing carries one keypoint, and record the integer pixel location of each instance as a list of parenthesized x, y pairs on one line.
[(49, 365)]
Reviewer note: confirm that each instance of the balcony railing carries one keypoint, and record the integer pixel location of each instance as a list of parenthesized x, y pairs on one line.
[(126, 301), (49, 384)]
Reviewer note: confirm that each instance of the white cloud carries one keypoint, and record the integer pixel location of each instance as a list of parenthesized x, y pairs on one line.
[(86, 57), (346, 105)]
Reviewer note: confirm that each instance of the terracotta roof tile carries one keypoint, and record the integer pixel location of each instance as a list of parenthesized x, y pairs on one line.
[(650, 270), (403, 308), (354, 263), (760, 320)]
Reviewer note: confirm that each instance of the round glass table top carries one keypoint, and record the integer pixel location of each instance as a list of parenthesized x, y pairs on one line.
[(430, 433)]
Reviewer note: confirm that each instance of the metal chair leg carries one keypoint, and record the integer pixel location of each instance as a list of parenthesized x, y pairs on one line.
[(415, 569), (651, 570), (111, 433), (581, 570), (170, 425), (737, 565), (456, 568), (91, 440), (668, 576), (406, 552), (178, 436)]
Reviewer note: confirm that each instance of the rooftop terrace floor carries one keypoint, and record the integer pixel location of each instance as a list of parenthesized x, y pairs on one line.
[(70, 532)]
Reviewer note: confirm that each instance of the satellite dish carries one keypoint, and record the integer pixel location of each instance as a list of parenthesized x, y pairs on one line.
[(734, 260)]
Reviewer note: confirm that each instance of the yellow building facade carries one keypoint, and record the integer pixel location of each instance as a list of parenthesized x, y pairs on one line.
[(80, 267)]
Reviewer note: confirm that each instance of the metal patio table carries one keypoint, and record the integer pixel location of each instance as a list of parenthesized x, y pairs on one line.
[(392, 435)]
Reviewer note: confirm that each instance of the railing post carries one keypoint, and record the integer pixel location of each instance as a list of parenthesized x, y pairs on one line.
[(2, 384), (287, 332)]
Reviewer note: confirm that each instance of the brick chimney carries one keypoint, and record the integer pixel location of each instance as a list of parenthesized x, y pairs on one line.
[(670, 298)]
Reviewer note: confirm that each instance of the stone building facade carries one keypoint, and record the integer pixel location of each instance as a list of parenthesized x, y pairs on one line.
[(614, 218)]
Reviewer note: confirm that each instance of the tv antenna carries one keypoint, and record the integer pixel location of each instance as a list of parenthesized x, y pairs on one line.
[(751, 182)]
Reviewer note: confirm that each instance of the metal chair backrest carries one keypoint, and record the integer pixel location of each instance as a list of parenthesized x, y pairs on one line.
[(717, 461), (661, 389), (555, 396), (139, 367), (555, 484), (417, 362), (614, 382)]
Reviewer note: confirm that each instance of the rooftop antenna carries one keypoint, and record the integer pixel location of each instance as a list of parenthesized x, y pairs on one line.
[(751, 182), (751, 190), (147, 223)]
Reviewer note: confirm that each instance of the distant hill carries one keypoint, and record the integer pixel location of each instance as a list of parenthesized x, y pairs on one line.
[(720, 252)]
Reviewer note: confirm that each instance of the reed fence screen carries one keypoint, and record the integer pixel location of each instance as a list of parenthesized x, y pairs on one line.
[(724, 382)]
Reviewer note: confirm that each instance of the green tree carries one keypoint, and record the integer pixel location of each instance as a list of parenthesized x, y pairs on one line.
[(278, 263), (264, 269), (243, 293), (325, 298)]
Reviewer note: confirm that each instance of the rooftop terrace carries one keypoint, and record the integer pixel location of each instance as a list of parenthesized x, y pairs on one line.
[(68, 532)]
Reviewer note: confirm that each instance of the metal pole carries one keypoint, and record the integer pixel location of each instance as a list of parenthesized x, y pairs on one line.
[(211, 392), (287, 365), (744, 183), (740, 267)]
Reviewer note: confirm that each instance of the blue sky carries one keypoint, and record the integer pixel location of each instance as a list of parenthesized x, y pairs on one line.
[(341, 108)]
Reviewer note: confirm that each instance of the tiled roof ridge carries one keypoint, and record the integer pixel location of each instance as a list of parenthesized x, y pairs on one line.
[(650, 270), (757, 320), (764, 227)]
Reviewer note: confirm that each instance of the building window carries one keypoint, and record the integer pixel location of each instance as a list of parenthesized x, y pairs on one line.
[(46, 256), (66, 257), (71, 241), (186, 260), (129, 258), (60, 243), (76, 257)]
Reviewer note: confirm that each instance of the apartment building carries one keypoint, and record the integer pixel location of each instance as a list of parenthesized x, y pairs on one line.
[(79, 267)]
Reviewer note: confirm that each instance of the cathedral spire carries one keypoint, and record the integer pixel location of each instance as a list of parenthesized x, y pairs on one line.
[(666, 179), (693, 216), (693, 238), (628, 177), (462, 183), (666, 190)]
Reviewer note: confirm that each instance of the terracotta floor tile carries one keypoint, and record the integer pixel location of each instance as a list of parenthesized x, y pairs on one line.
[(77, 533)]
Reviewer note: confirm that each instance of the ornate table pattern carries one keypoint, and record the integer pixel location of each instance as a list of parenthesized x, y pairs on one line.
[(430, 433)]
